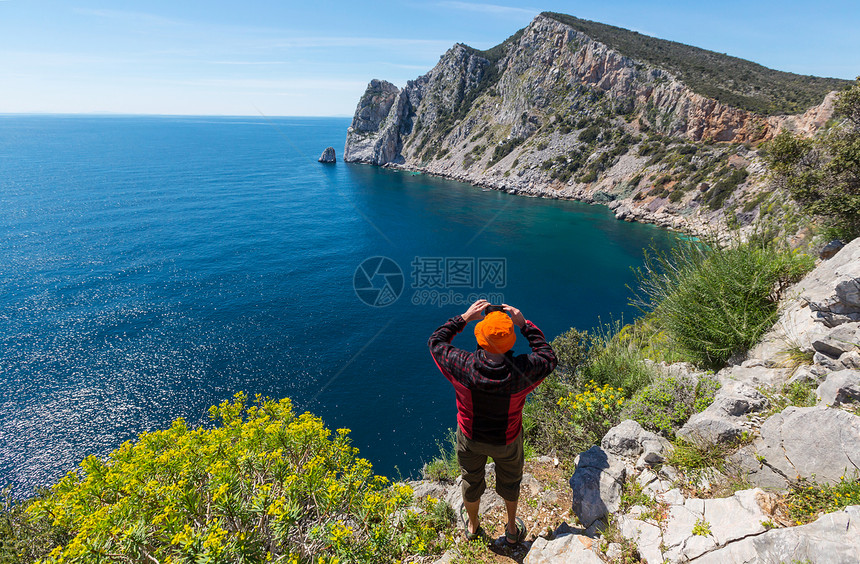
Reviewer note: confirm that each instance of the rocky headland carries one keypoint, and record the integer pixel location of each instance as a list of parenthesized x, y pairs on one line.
[(555, 112)]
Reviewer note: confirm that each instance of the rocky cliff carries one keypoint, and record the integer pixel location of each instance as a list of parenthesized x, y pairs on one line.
[(554, 112)]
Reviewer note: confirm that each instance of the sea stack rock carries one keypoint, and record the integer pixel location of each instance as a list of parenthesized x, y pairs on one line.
[(328, 156)]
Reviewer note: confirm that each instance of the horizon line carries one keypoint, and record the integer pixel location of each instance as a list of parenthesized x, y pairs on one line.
[(130, 114)]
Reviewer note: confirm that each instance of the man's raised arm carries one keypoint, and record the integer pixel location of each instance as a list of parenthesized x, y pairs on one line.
[(542, 359)]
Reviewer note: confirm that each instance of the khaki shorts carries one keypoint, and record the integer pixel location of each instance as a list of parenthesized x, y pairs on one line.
[(472, 457)]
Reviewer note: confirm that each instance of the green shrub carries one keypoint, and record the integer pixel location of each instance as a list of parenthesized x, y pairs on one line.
[(546, 426), (717, 301), (725, 187), (608, 358), (702, 528), (651, 340), (692, 456), (632, 494), (823, 174), (666, 404), (593, 411), (800, 394), (502, 150), (444, 468), (589, 134), (23, 538), (589, 177), (572, 352), (615, 359), (806, 500), (262, 485)]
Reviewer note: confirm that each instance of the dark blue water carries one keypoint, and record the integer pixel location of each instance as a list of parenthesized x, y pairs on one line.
[(151, 267)]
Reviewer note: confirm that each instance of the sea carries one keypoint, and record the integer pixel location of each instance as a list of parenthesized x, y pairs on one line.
[(151, 267)]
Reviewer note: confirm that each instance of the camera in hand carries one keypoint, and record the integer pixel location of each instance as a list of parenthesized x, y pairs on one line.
[(491, 308)]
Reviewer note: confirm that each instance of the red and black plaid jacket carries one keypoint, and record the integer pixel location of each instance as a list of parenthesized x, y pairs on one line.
[(490, 397)]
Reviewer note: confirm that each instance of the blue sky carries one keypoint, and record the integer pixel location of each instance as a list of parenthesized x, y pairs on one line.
[(306, 58)]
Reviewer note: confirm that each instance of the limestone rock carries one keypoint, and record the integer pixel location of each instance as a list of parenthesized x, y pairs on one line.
[(722, 420), (830, 249), (807, 375), (328, 156), (833, 538), (842, 339), (707, 428), (840, 387), (752, 374), (623, 439), (850, 360), (826, 362), (596, 485), (826, 297), (384, 117), (566, 549), (834, 287), (803, 442), (425, 488), (373, 137), (718, 523), (735, 517), (450, 121), (449, 557), (647, 536), (628, 438)]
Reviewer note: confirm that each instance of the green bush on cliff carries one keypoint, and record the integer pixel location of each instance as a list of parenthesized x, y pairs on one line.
[(824, 174), (616, 359), (665, 405), (608, 358), (262, 485), (592, 412), (23, 538), (715, 301)]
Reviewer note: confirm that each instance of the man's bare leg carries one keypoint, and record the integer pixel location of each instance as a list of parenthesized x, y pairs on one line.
[(472, 510), (511, 527)]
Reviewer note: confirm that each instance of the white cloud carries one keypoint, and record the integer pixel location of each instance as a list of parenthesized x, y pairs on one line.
[(284, 85), (492, 9), (247, 63), (140, 17), (379, 42)]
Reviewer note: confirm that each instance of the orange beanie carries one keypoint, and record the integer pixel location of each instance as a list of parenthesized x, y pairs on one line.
[(495, 333)]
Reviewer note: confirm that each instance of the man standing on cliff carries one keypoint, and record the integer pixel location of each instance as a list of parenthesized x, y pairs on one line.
[(491, 386)]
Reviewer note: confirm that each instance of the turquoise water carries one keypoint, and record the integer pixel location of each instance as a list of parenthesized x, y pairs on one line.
[(151, 267)]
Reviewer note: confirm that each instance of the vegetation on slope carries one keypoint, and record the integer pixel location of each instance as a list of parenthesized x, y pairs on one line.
[(823, 174), (703, 304), (263, 485), (716, 302), (731, 80)]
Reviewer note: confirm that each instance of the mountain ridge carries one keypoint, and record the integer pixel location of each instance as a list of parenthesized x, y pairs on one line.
[(643, 47), (553, 112)]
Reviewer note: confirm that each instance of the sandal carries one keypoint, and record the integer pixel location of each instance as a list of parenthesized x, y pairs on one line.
[(518, 537), (480, 534)]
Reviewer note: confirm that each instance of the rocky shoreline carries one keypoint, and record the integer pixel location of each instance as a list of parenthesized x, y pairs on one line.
[(695, 224)]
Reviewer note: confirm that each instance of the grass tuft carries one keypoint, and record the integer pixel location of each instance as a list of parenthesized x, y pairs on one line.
[(715, 302)]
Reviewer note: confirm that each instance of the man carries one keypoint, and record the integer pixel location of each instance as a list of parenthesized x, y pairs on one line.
[(491, 386)]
